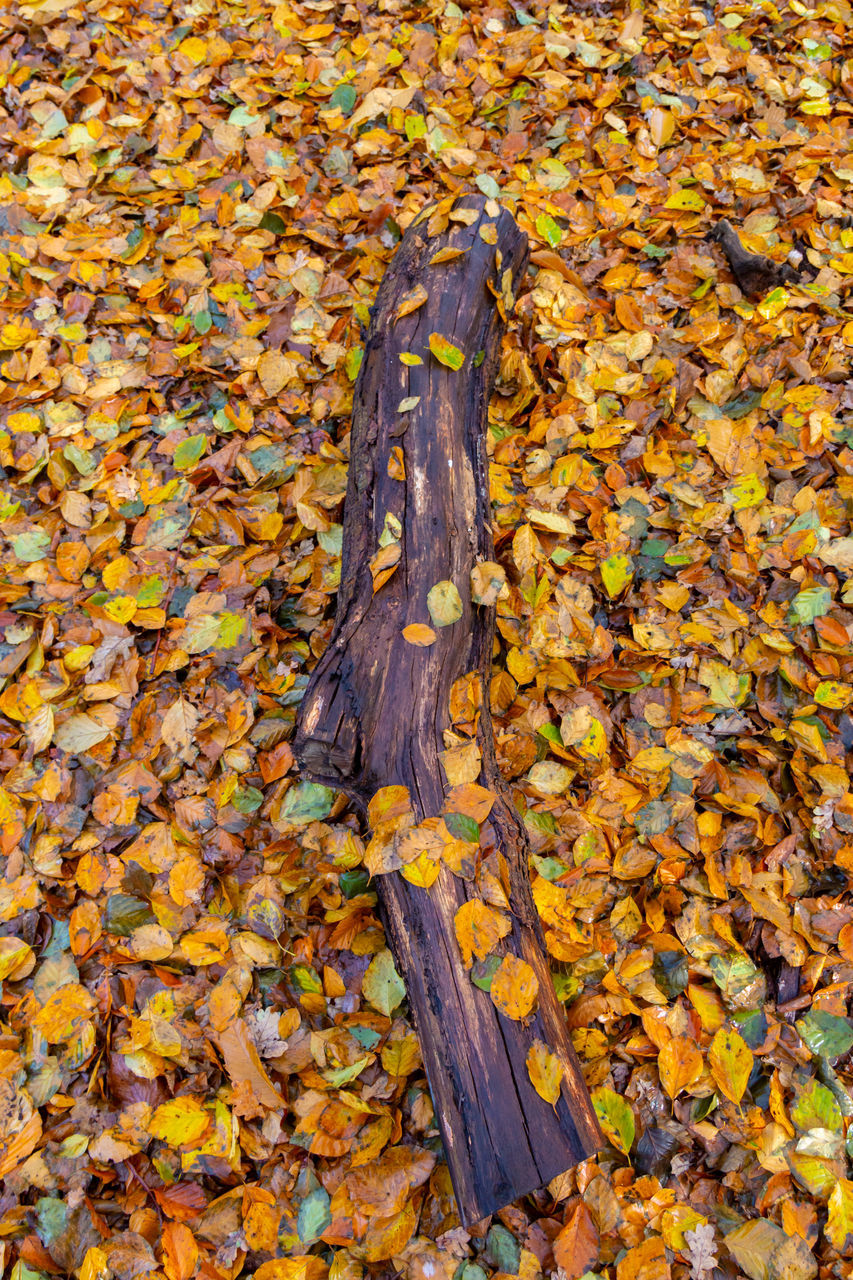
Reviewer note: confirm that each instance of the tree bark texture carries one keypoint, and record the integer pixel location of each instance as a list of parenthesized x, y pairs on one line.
[(376, 707)]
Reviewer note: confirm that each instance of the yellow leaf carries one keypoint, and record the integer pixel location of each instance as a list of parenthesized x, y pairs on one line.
[(308, 1267), (193, 48), (730, 1060), (514, 988), (444, 604), (422, 871), (686, 199), (17, 959), (545, 1071), (478, 931), (839, 1226), (179, 1121), (205, 945), (746, 491), (677, 1220), (462, 764), (275, 371), (616, 572), (446, 255), (646, 1261), (832, 694)]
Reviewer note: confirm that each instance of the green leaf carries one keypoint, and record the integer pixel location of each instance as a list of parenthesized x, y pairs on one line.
[(615, 1117), (352, 362), (31, 546), (307, 802), (338, 1076), (202, 322), (344, 98), (151, 592), (445, 352), (415, 127), (273, 222), (462, 827), (51, 1220), (816, 1108), (353, 882), (548, 230), (503, 1251), (124, 913), (382, 986), (314, 1216), (824, 1034), (809, 604), (487, 185), (247, 799), (483, 971), (231, 627), (733, 974), (190, 452)]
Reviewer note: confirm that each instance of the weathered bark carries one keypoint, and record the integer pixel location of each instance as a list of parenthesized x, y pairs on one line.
[(376, 707)]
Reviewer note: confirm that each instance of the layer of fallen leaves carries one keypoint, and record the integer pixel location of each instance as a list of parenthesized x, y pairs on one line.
[(207, 1069)]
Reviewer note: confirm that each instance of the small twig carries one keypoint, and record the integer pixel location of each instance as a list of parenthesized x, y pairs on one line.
[(139, 1178), (793, 1006)]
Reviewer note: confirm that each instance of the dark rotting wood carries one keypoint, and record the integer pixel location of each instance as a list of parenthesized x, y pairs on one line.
[(376, 707), (754, 273)]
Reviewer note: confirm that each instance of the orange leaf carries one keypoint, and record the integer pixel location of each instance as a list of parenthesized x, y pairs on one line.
[(243, 1064), (647, 1261), (576, 1247), (679, 1064), (411, 301), (514, 988), (420, 634), (478, 931), (180, 1251)]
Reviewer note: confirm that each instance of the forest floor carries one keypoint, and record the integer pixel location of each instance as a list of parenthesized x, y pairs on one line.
[(205, 1068)]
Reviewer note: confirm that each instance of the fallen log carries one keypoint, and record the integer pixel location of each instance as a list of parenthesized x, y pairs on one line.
[(376, 712)]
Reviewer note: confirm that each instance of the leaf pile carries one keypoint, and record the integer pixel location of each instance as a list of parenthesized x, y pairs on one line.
[(206, 1067)]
